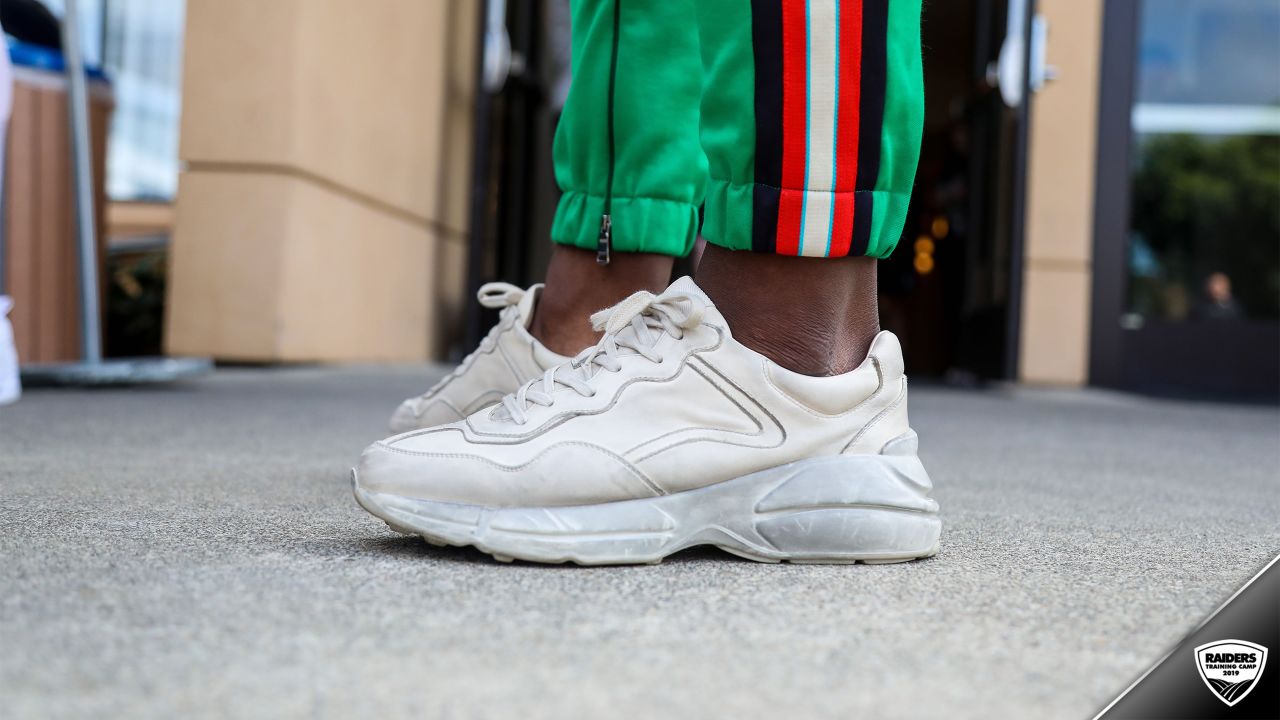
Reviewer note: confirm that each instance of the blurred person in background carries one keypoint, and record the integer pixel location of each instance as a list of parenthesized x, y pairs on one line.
[(1218, 302), (696, 409)]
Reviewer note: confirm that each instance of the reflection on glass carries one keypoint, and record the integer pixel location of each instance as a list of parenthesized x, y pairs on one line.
[(1205, 221), (143, 56), (1209, 52)]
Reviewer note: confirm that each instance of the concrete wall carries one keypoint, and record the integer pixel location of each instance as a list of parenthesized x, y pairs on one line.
[(321, 211), (1058, 271)]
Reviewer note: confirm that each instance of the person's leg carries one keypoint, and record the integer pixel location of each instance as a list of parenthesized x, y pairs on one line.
[(577, 286), (626, 149), (812, 156), (723, 420)]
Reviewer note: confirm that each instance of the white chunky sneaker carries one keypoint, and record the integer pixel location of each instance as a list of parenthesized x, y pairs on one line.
[(668, 434), (507, 357)]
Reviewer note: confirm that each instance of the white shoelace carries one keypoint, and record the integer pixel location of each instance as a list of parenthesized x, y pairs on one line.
[(496, 296), (648, 316)]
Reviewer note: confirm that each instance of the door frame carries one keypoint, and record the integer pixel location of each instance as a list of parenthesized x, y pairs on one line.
[(1111, 200)]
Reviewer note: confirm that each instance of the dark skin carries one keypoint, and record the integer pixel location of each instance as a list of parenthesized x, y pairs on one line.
[(578, 286), (815, 316)]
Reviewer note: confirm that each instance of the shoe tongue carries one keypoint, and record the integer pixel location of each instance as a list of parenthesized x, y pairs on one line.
[(525, 306), (687, 285), (712, 315)]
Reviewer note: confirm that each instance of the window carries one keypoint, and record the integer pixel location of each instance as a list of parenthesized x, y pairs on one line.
[(1204, 240), (142, 54)]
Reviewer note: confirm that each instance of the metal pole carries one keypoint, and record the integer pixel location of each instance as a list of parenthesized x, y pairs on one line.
[(82, 175), (1022, 144), (4, 205), (6, 77), (92, 370)]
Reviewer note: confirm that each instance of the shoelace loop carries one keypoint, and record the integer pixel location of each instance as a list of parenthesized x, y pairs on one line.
[(498, 295), (671, 313), (495, 296)]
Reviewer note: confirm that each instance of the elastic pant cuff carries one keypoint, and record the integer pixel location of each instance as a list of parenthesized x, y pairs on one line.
[(640, 224), (727, 218)]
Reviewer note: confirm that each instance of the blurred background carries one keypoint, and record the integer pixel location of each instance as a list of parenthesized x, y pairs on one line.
[(296, 188), (1098, 201)]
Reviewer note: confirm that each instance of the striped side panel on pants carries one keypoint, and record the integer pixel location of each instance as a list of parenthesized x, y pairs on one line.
[(820, 77)]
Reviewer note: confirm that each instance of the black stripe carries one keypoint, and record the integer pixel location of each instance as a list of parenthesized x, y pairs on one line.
[(863, 212), (766, 43), (764, 219), (875, 26)]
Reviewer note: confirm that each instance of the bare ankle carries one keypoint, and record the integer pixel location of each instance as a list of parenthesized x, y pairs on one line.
[(816, 316), (577, 287)]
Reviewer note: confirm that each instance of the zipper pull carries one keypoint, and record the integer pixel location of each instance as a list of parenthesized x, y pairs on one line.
[(604, 241)]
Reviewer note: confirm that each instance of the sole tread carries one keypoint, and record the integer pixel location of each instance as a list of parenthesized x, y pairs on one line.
[(873, 510)]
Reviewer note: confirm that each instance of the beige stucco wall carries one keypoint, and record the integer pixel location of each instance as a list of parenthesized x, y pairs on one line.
[(322, 208), (1057, 275)]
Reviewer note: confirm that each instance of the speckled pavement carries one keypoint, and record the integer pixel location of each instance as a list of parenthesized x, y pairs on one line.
[(195, 551)]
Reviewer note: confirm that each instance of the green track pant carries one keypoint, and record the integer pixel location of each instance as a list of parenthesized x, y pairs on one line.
[(795, 124)]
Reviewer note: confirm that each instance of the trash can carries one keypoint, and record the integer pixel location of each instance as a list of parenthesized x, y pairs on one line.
[(40, 270)]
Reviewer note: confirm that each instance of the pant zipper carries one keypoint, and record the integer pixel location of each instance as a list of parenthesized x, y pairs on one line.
[(604, 241)]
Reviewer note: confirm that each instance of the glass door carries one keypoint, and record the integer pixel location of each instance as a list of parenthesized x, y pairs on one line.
[(1188, 243)]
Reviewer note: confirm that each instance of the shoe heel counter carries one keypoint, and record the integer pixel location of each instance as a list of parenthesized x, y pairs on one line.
[(888, 424), (888, 411)]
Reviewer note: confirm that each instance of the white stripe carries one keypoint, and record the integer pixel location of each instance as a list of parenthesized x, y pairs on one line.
[(817, 223), (824, 36)]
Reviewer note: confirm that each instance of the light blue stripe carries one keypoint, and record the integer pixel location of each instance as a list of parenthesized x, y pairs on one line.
[(808, 104), (835, 138)]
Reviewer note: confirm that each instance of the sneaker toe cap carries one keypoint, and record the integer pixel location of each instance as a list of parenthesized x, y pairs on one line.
[(420, 465)]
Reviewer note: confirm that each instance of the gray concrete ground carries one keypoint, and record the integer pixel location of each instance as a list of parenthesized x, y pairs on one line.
[(194, 551)]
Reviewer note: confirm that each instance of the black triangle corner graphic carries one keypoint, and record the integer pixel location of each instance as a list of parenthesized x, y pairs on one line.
[(1228, 667)]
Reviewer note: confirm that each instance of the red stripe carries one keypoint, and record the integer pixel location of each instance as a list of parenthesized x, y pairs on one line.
[(850, 84), (790, 210), (842, 225), (794, 78)]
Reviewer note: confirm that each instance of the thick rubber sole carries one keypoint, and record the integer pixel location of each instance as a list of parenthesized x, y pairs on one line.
[(841, 509)]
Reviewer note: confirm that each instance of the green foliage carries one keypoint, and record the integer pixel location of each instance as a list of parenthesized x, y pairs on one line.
[(135, 304), (1208, 204)]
